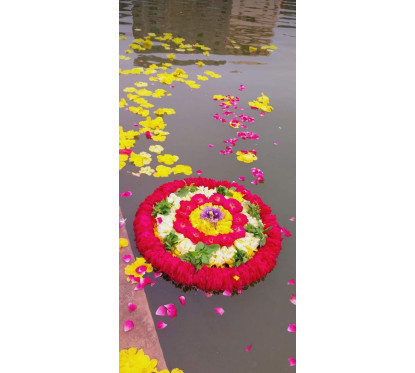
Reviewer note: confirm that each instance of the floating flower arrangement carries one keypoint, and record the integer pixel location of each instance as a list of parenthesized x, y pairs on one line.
[(213, 235)]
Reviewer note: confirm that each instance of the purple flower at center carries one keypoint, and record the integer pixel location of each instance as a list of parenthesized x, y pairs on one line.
[(213, 214)]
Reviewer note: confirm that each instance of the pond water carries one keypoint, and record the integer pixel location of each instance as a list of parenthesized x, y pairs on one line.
[(198, 340)]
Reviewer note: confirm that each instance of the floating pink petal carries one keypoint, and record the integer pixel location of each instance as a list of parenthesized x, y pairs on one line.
[(161, 325), (128, 325), (207, 295), (239, 291), (241, 87), (242, 178), (157, 274), (291, 328), (172, 312), (122, 222), (135, 124), (262, 114), (140, 270), (291, 282), (161, 311), (291, 361), (293, 299), (144, 281), (127, 193), (276, 143), (148, 135), (159, 220), (152, 283), (131, 307), (219, 310), (182, 300), (211, 145), (227, 293), (248, 348), (286, 232), (126, 258), (172, 86), (292, 219), (199, 172)]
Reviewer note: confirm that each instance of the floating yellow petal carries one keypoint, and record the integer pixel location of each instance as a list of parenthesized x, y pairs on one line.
[(140, 159), (246, 157), (154, 124), (171, 56), (182, 169), (168, 159), (123, 103), (123, 160), (123, 243), (162, 171), (130, 270), (201, 77), (162, 111), (212, 74), (156, 149), (252, 49)]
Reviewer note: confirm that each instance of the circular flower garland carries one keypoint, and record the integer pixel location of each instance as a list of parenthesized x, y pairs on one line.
[(214, 235)]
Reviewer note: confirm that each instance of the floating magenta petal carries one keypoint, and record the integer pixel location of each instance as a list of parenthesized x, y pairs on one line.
[(157, 274), (293, 299), (161, 311), (291, 361), (242, 178), (211, 145), (131, 307), (127, 193), (219, 310), (241, 87), (171, 310), (161, 325), (128, 325), (182, 300), (207, 294), (248, 348), (286, 232), (141, 270), (291, 328), (291, 282), (292, 219), (227, 293), (127, 258), (199, 172)]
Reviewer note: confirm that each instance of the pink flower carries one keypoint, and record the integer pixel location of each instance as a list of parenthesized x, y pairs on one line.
[(128, 325), (291, 328)]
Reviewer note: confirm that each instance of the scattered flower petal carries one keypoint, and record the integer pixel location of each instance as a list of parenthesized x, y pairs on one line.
[(161, 325), (248, 348), (182, 300), (157, 274), (131, 307), (241, 87), (291, 282), (286, 232), (161, 311), (207, 295), (141, 270), (128, 325), (236, 278), (127, 258), (127, 193), (219, 310), (293, 299), (199, 172), (276, 143), (171, 310), (292, 219), (242, 178), (211, 145), (227, 293), (239, 291), (291, 361), (122, 222), (291, 328)]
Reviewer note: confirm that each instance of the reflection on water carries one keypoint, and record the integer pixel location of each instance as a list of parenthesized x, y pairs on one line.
[(246, 22)]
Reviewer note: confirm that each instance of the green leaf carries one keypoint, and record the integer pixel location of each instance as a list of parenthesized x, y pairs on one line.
[(254, 210), (199, 246), (170, 240), (162, 208), (182, 192), (222, 190)]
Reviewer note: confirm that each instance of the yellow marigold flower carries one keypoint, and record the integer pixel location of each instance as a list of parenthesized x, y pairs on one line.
[(154, 124), (180, 73), (182, 169), (200, 63), (137, 70), (252, 49), (201, 77), (218, 97), (123, 103), (171, 56), (192, 84), (123, 243), (125, 58), (159, 135), (162, 111), (141, 84), (153, 79), (262, 103), (178, 41), (151, 34), (212, 74), (223, 226), (126, 139), (147, 170), (143, 92), (180, 50), (147, 44), (167, 64), (268, 47), (140, 159), (162, 171), (246, 157), (158, 93), (123, 160), (129, 89), (131, 268), (128, 51), (165, 78), (156, 149), (206, 53), (122, 37), (238, 196), (167, 159), (136, 46), (139, 111)]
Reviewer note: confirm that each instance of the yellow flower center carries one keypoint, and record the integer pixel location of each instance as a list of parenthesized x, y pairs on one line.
[(205, 226)]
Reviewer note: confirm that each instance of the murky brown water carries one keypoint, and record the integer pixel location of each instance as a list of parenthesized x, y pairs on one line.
[(198, 340)]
